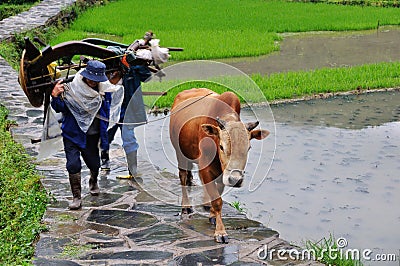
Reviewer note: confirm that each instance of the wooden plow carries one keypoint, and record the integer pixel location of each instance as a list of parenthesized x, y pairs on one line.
[(41, 69)]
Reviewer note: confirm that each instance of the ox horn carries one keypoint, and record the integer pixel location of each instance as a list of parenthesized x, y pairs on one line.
[(221, 123), (252, 125)]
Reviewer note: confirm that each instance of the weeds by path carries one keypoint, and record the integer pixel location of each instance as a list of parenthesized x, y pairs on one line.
[(23, 200)]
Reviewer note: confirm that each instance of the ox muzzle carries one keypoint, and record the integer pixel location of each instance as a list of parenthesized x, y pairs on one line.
[(233, 177)]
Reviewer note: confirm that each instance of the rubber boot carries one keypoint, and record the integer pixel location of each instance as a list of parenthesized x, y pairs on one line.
[(105, 160), (75, 182), (93, 186), (131, 158)]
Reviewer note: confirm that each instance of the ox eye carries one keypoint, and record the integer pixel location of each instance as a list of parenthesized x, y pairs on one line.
[(221, 148)]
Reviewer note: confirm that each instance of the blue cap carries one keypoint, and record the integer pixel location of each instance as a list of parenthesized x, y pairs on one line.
[(95, 70)]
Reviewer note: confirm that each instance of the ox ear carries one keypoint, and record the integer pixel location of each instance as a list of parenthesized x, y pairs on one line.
[(210, 130), (252, 125), (259, 134)]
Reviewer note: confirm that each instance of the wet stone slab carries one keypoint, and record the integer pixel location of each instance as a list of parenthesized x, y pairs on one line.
[(102, 229), (124, 219), (129, 255), (161, 233), (220, 256), (101, 200), (108, 244), (197, 244), (55, 262), (50, 246), (124, 189), (253, 234), (168, 211)]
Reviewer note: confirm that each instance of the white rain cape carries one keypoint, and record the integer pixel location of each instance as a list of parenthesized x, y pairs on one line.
[(84, 104)]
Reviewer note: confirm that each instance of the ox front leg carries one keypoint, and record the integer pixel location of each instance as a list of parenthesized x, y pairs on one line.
[(185, 176), (220, 234)]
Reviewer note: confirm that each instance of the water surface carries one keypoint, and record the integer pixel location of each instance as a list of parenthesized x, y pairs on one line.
[(308, 51), (335, 170)]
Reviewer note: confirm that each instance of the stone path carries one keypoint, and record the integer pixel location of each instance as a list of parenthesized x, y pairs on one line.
[(125, 224), (37, 16)]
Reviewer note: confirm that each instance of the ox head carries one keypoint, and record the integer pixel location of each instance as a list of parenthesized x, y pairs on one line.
[(233, 139)]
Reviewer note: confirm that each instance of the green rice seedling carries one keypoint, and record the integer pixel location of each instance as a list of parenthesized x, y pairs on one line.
[(220, 29)]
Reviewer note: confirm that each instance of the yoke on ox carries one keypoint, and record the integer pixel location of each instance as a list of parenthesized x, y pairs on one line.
[(205, 129)]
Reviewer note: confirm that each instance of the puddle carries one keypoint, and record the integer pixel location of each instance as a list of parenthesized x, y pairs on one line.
[(327, 49), (335, 171)]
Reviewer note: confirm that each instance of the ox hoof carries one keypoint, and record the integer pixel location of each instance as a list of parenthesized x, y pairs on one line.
[(212, 220), (187, 210), (222, 239)]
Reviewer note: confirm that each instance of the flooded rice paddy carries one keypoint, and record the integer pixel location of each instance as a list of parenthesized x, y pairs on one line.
[(325, 49), (335, 170)]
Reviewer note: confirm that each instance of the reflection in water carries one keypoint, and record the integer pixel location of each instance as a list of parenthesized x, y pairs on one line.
[(335, 170), (350, 112)]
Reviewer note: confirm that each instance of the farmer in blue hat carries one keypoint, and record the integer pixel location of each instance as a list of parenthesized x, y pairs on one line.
[(85, 105)]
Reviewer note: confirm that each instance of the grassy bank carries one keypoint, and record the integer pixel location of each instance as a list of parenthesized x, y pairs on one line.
[(11, 10), (219, 29), (287, 85), (23, 200), (328, 80)]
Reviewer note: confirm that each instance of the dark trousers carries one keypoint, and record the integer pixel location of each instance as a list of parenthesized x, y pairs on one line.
[(112, 131), (90, 154)]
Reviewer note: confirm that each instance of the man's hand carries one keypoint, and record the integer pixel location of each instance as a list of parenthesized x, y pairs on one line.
[(58, 89)]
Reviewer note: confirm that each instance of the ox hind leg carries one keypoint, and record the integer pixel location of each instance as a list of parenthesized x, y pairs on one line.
[(186, 178)]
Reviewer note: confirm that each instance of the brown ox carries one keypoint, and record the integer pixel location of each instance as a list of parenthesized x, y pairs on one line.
[(205, 128)]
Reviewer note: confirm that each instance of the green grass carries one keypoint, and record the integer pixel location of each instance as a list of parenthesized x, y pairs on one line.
[(225, 28), (11, 10), (14, 7), (327, 252), (378, 3), (23, 200), (328, 80), (287, 85), (238, 206)]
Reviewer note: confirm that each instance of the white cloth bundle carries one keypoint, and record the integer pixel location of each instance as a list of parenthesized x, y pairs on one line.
[(160, 55)]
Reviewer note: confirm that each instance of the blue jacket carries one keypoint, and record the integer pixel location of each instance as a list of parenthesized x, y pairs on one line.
[(72, 131)]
